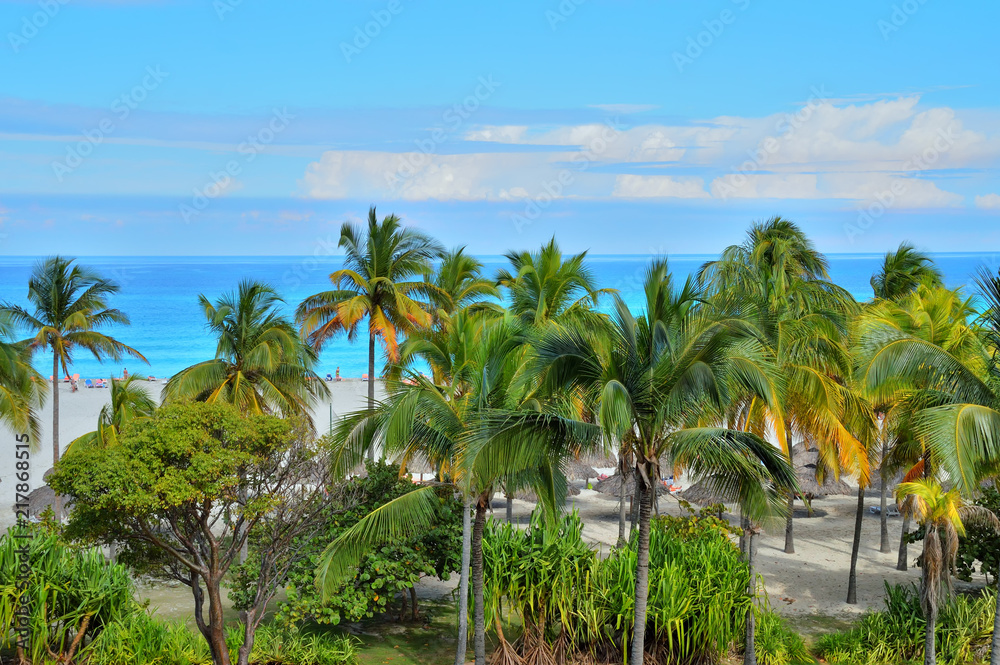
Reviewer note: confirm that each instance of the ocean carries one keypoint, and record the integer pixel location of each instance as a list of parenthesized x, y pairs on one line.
[(160, 295)]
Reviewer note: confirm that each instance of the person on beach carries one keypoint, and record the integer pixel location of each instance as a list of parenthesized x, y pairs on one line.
[(338, 374), (124, 373)]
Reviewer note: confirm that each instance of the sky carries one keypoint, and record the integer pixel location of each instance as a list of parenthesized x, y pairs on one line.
[(230, 127)]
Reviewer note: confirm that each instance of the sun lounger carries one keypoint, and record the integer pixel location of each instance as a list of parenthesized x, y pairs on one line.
[(364, 377), (329, 377), (88, 383)]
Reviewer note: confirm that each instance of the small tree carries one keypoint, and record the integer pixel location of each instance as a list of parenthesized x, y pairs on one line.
[(183, 488)]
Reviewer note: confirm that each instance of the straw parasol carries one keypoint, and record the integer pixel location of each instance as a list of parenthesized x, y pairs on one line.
[(575, 469), (703, 494), (807, 466), (612, 485)]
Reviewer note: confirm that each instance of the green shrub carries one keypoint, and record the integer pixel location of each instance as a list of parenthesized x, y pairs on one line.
[(70, 592), (567, 599), (896, 634), (387, 571)]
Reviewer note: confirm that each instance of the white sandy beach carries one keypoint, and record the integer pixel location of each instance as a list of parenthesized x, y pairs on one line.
[(813, 581)]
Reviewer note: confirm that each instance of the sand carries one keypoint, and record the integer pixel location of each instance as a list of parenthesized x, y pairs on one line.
[(811, 582)]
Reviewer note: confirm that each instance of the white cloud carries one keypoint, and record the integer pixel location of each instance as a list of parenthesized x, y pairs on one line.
[(823, 150), (988, 202), (659, 186)]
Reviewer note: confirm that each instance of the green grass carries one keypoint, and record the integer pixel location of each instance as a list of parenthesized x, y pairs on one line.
[(430, 641)]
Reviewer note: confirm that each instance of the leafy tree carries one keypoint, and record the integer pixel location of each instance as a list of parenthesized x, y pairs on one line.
[(378, 283), (458, 285), (942, 515), (70, 305), (389, 568), (181, 490), (261, 364)]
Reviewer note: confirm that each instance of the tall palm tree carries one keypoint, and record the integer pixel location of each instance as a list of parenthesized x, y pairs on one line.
[(891, 331), (378, 283), (660, 383), (942, 515), (22, 389), (69, 307), (261, 364), (462, 425), (130, 403), (901, 272), (779, 281), (543, 286)]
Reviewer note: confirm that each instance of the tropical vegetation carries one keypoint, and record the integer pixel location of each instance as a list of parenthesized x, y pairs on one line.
[(223, 484)]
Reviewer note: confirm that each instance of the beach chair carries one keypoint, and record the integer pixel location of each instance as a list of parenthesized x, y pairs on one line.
[(892, 511), (329, 377), (76, 377), (364, 377), (88, 383)]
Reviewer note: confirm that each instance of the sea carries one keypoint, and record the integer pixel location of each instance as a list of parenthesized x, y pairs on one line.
[(160, 295)]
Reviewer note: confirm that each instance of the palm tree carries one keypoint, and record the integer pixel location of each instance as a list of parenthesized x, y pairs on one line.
[(377, 283), (659, 384), (542, 286), (462, 425), (779, 281), (942, 515), (458, 285), (22, 389), (70, 305), (901, 272), (261, 364), (130, 403), (889, 330)]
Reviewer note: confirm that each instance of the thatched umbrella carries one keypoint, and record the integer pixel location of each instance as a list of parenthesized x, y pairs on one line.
[(575, 469), (612, 486), (703, 494), (529, 495)]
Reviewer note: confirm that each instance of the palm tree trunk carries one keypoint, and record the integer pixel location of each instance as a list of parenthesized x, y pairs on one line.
[(884, 545), (621, 503), (930, 649), (852, 580), (510, 506), (901, 562), (479, 610), (641, 573), (995, 653), (463, 583), (636, 499), (750, 646), (371, 384), (789, 532), (55, 427)]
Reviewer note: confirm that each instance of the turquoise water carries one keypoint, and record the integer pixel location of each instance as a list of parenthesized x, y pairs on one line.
[(160, 294)]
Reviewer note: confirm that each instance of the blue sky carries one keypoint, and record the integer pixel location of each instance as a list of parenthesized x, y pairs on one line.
[(238, 127)]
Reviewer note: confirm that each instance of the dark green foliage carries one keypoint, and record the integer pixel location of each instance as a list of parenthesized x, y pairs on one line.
[(570, 600), (387, 571), (896, 634)]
